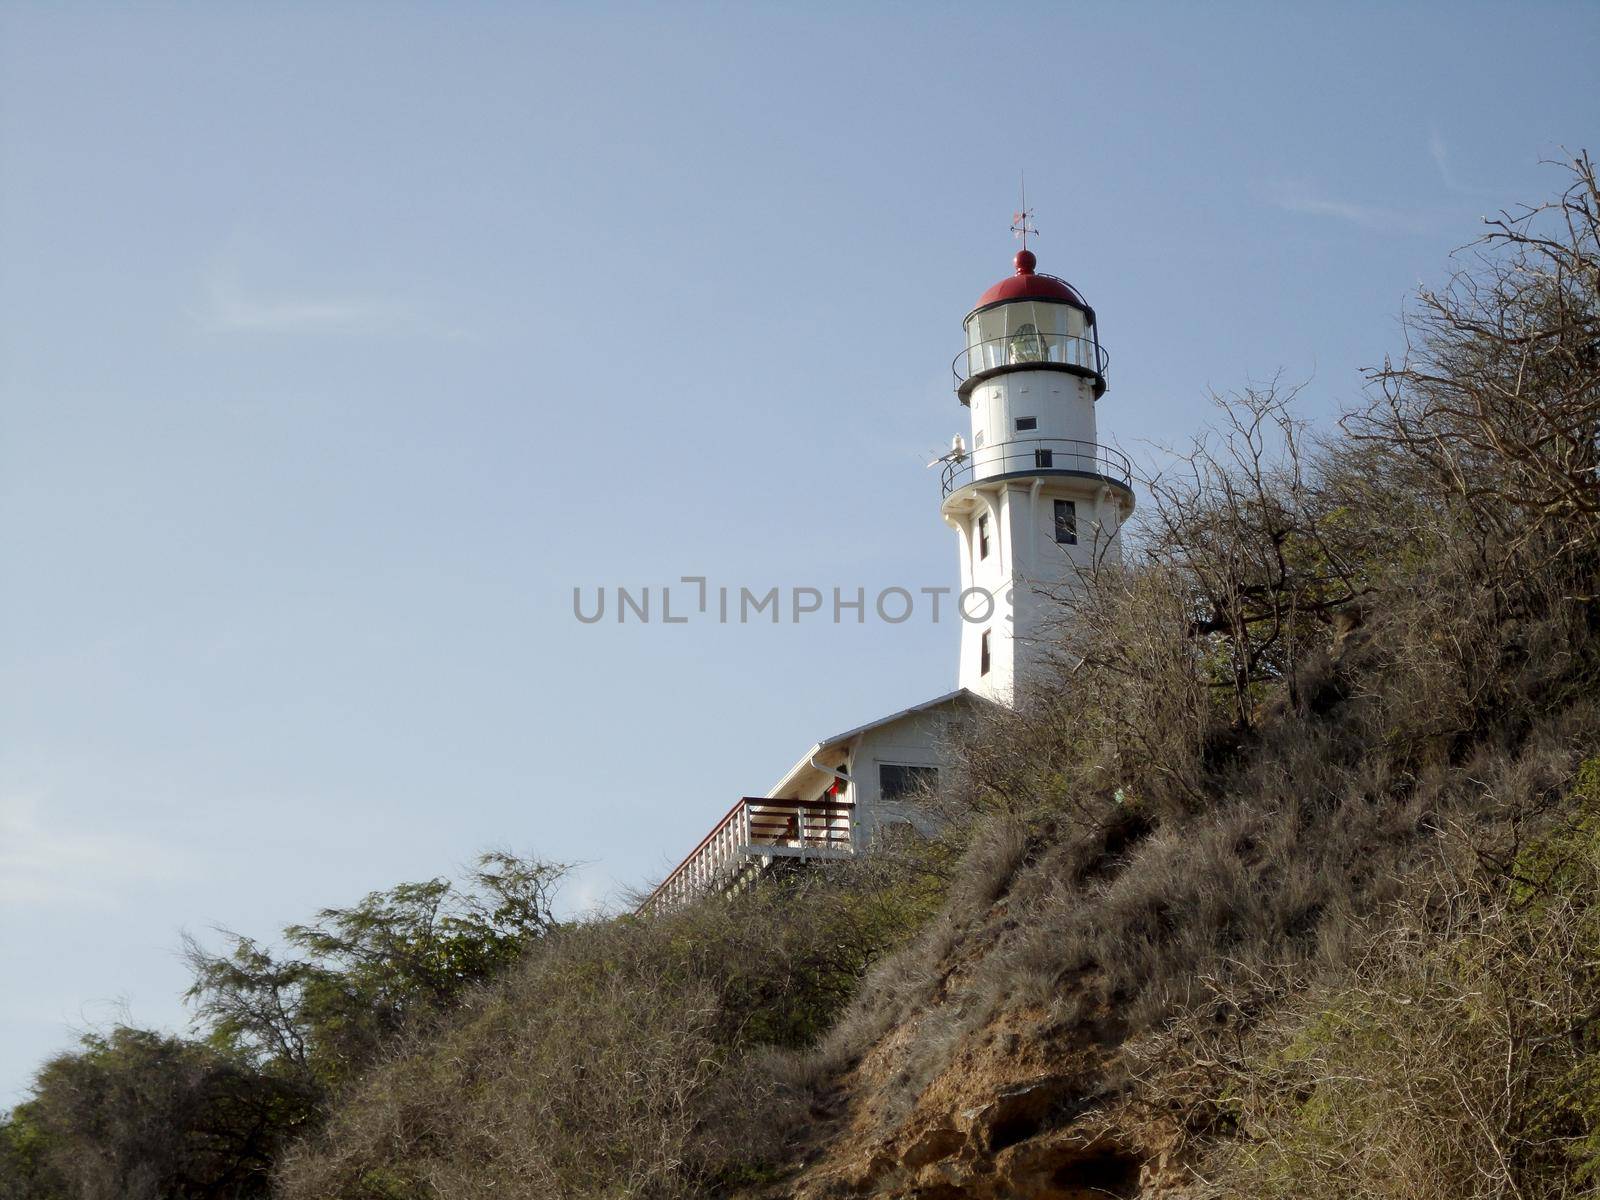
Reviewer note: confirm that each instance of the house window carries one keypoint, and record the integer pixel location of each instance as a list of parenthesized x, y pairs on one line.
[(983, 536), (896, 782), (1066, 522), (1044, 458), (983, 653), (1026, 423)]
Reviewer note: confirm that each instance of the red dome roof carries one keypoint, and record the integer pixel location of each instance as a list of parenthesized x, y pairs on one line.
[(1026, 285)]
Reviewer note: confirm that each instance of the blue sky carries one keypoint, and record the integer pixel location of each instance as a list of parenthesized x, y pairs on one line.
[(338, 343)]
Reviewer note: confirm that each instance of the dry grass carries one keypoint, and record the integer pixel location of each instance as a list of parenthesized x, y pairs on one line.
[(1121, 897), (622, 1058), (1455, 1054), (589, 1066), (1131, 858), (1213, 851)]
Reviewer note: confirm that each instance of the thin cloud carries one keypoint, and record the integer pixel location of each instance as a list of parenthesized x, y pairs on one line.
[(1440, 153), (229, 308), (1298, 196), (43, 860)]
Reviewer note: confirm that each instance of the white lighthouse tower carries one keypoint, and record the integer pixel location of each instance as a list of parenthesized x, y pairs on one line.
[(1035, 500)]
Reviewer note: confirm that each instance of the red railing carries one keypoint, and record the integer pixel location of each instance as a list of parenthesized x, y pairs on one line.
[(754, 831)]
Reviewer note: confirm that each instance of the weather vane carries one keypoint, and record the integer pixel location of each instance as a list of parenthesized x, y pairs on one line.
[(1022, 220)]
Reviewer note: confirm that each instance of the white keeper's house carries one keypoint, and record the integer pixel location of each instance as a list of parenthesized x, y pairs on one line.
[(1034, 500)]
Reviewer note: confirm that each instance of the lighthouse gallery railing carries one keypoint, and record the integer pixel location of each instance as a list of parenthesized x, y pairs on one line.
[(1021, 349), (1038, 455)]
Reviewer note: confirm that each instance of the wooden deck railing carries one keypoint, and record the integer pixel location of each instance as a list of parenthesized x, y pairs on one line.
[(755, 831)]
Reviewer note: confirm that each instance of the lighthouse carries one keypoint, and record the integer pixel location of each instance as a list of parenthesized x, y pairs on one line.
[(1035, 500), (1037, 504)]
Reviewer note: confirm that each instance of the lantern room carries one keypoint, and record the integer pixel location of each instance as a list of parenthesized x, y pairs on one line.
[(1030, 322)]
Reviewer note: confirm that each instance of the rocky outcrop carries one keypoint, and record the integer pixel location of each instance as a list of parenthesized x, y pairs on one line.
[(999, 1124)]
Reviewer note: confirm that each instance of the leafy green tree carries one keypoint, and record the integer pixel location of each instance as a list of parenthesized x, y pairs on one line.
[(139, 1115), (135, 1114), (26, 1172), (354, 976)]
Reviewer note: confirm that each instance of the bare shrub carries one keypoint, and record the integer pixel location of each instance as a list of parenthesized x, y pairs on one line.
[(1153, 715), (1498, 395), (1241, 519)]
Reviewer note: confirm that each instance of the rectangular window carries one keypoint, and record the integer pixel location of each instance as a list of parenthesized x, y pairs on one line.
[(1066, 522), (896, 782), (983, 536), (977, 440), (1044, 458), (1026, 423), (983, 653)]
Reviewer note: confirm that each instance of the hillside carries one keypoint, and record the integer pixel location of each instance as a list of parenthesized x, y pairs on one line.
[(1290, 888)]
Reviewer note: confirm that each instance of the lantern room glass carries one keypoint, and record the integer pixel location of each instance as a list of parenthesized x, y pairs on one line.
[(1024, 331)]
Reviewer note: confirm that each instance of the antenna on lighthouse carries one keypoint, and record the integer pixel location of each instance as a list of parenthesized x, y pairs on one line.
[(1022, 220), (957, 452)]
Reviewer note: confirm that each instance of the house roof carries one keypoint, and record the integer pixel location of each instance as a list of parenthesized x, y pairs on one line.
[(840, 738), (804, 764)]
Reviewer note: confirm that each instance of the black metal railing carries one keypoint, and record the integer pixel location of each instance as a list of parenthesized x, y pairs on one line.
[(1030, 348), (1035, 455)]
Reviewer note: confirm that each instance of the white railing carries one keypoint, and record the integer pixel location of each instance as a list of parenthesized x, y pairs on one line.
[(1030, 348), (754, 831), (1037, 455)]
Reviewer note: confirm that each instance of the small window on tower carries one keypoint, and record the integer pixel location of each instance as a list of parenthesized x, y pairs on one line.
[(983, 537), (977, 440), (1066, 522), (1044, 459), (983, 653), (1026, 423)]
